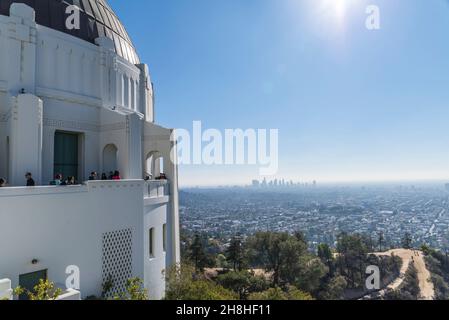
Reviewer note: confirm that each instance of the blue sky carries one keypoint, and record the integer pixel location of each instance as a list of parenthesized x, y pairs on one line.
[(349, 103)]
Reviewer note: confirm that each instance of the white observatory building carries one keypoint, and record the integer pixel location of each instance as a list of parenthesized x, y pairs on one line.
[(74, 102)]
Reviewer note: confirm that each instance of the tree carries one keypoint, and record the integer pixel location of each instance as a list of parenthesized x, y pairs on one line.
[(197, 254), (407, 241), (311, 274), (183, 283), (335, 289), (235, 253), (277, 293), (134, 291), (352, 255), (273, 294), (221, 261), (278, 253), (380, 240), (294, 293), (242, 282), (326, 256)]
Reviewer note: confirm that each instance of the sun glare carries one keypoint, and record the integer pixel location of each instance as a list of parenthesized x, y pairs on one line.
[(334, 10)]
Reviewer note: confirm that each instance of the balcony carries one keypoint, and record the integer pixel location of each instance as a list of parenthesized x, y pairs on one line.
[(155, 189)]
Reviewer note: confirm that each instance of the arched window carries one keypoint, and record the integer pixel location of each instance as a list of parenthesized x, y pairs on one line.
[(154, 165)]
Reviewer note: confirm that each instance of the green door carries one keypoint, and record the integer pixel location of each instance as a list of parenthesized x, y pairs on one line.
[(30, 280), (66, 154)]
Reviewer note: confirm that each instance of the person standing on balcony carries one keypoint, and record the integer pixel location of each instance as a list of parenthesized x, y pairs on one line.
[(71, 181), (58, 180), (116, 176), (93, 176), (30, 180)]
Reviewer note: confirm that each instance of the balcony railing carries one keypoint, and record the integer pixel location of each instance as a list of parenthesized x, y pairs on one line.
[(157, 188)]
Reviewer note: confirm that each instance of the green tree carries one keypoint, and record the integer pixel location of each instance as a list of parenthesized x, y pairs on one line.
[(380, 240), (311, 275), (326, 256), (134, 291), (294, 293), (277, 293), (183, 283), (221, 261), (197, 254), (278, 253), (407, 241), (242, 282), (335, 289), (235, 253), (352, 255)]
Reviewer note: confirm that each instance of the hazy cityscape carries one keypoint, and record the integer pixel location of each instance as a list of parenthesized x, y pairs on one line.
[(322, 212)]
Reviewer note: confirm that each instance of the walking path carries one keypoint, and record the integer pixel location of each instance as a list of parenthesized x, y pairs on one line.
[(424, 277)]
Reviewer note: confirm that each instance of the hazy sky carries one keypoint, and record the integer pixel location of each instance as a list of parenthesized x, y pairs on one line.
[(349, 103)]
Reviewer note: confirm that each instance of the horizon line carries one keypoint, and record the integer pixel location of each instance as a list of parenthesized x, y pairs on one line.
[(323, 182)]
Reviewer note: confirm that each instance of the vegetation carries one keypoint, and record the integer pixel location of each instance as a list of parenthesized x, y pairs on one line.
[(291, 293), (407, 241), (409, 290), (134, 291), (197, 254), (185, 283), (438, 264), (44, 290), (236, 254), (243, 283), (277, 266), (278, 253)]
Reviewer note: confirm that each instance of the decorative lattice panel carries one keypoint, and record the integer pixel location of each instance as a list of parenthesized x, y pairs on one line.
[(117, 261)]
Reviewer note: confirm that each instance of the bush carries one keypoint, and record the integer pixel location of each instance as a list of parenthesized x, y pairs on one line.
[(277, 293), (183, 283)]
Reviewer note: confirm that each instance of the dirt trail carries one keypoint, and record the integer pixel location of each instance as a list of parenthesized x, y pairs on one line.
[(424, 277)]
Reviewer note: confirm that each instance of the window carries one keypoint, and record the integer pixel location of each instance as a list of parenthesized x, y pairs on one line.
[(66, 154), (164, 237), (151, 242)]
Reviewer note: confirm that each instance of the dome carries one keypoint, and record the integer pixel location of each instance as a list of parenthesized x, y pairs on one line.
[(97, 19)]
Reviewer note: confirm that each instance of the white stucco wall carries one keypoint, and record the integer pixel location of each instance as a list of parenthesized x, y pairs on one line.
[(155, 217), (62, 226)]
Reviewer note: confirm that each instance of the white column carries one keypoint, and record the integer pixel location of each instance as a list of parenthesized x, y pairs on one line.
[(22, 35), (108, 67), (26, 138), (171, 168), (134, 133), (145, 94)]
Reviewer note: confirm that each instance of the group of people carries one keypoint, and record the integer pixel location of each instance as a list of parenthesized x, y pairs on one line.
[(70, 181), (60, 181), (29, 181), (112, 176)]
